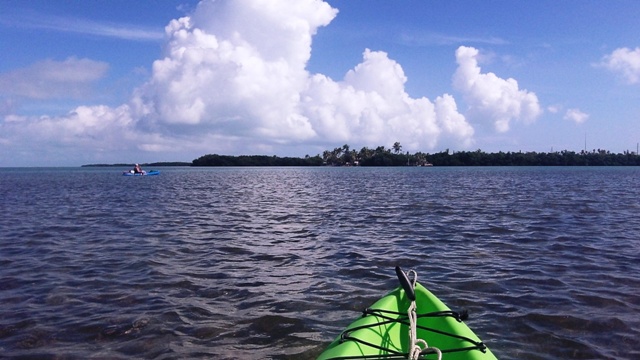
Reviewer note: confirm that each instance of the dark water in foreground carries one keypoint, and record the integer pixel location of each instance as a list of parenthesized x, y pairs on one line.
[(253, 263)]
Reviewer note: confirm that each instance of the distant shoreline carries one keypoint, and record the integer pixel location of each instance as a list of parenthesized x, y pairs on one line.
[(382, 159), (381, 156)]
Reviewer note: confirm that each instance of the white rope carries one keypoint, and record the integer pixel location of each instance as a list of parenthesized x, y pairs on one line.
[(416, 345)]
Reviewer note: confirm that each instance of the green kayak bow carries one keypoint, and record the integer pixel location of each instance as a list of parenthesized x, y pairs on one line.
[(408, 323)]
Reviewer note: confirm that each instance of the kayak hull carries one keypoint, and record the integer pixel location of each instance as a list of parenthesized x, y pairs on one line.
[(146, 173), (391, 338)]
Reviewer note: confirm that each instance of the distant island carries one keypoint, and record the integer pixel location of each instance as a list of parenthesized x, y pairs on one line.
[(381, 156), (394, 156)]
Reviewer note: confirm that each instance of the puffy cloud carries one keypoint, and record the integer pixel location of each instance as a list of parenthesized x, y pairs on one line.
[(231, 76), (53, 79), (576, 116), (625, 62), (225, 76), (453, 123), (370, 106), (491, 96)]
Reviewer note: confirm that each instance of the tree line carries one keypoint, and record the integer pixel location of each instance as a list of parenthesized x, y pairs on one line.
[(394, 156), (562, 158), (255, 160)]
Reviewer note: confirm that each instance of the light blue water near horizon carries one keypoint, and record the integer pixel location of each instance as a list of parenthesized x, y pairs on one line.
[(255, 263)]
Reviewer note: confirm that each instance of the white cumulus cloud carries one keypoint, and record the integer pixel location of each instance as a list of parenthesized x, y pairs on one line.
[(490, 96), (370, 106), (624, 62), (226, 76), (576, 116)]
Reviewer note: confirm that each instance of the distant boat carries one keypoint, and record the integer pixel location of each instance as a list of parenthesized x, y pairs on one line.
[(144, 173)]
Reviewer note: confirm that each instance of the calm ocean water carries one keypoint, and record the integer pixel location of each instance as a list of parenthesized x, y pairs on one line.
[(271, 263)]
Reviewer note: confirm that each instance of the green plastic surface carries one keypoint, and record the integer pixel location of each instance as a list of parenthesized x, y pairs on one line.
[(395, 335)]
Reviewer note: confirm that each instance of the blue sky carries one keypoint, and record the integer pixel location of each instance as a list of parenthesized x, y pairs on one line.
[(120, 81)]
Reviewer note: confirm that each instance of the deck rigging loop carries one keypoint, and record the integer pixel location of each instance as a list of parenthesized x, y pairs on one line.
[(417, 347)]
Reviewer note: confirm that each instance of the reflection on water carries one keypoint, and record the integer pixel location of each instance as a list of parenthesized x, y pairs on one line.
[(259, 263)]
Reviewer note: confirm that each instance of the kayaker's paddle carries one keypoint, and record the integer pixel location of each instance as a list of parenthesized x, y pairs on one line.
[(406, 284)]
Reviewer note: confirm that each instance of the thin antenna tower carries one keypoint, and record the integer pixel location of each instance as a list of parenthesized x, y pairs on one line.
[(585, 142)]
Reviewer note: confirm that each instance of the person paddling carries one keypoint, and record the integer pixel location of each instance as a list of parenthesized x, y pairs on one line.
[(137, 169)]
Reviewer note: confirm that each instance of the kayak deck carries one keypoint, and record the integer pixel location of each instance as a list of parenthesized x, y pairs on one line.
[(146, 173), (383, 331)]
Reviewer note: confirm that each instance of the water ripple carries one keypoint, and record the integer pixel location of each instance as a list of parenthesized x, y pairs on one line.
[(260, 263)]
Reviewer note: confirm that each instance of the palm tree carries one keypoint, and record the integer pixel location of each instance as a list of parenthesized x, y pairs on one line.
[(336, 156), (365, 153), (326, 155), (397, 147)]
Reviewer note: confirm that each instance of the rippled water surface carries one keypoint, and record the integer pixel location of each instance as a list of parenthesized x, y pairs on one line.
[(253, 263)]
